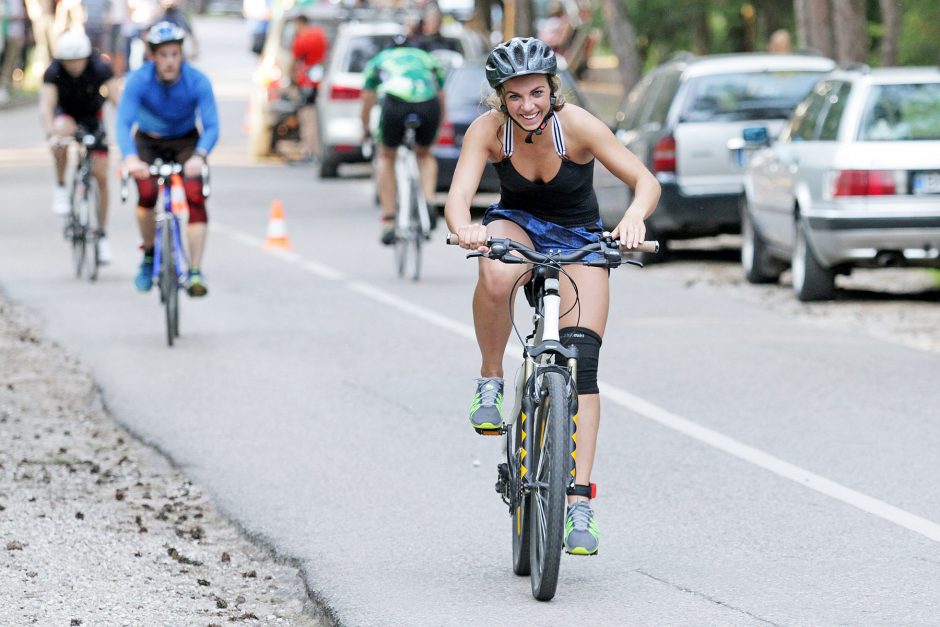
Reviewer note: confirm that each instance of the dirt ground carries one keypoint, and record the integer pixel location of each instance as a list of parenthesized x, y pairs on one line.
[(98, 529)]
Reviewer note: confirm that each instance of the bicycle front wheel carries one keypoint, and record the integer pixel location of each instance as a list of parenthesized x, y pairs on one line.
[(93, 227), (77, 228), (520, 502), (550, 477), (169, 284)]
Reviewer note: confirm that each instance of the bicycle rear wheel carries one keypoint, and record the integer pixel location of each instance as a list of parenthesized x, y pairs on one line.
[(77, 228), (550, 477), (521, 503), (169, 284)]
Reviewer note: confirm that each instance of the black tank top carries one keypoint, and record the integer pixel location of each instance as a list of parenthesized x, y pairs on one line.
[(568, 199)]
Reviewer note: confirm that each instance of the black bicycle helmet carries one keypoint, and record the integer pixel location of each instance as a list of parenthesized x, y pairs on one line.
[(165, 32), (517, 57)]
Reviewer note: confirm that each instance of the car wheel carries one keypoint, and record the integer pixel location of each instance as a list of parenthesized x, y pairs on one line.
[(758, 266), (329, 166), (811, 281)]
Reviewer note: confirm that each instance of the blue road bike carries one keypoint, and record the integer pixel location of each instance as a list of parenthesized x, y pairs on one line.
[(170, 262)]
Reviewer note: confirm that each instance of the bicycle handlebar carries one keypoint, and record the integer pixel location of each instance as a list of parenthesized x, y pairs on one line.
[(165, 169), (501, 247), (651, 246)]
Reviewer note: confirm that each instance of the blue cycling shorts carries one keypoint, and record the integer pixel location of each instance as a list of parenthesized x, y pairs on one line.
[(547, 236)]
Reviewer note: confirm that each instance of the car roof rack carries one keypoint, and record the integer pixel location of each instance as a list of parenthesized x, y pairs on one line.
[(681, 55), (862, 68)]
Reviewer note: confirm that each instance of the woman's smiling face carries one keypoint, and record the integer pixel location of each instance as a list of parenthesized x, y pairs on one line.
[(527, 99)]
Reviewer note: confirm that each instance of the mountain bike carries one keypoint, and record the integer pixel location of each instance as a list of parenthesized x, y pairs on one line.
[(539, 431), (170, 262), (83, 221), (412, 220)]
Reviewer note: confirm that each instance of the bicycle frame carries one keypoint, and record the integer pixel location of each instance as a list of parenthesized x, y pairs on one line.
[(166, 218), (81, 226), (408, 183)]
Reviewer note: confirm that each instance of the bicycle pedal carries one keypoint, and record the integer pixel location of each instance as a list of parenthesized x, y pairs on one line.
[(499, 431)]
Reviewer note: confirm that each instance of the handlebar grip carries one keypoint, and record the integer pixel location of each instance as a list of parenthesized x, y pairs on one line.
[(651, 246)]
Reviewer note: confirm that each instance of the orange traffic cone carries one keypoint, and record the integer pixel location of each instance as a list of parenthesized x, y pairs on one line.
[(277, 228)]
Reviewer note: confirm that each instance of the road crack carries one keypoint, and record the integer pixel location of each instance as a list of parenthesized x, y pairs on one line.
[(702, 595)]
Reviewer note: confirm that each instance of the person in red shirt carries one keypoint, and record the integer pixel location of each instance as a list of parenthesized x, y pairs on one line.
[(309, 48)]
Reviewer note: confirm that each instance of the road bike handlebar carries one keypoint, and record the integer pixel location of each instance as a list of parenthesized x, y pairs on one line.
[(501, 247), (165, 169)]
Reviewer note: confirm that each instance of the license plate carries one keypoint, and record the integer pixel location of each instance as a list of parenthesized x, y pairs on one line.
[(926, 183)]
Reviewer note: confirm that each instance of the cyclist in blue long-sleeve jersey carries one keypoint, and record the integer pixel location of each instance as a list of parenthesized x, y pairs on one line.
[(160, 107)]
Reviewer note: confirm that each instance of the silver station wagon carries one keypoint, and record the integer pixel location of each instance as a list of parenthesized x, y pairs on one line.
[(679, 121), (852, 181)]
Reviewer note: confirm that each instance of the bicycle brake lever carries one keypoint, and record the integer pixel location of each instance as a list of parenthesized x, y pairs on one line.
[(475, 253)]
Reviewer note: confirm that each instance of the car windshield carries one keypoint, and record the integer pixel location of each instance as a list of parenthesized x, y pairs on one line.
[(363, 48), (748, 96), (902, 113)]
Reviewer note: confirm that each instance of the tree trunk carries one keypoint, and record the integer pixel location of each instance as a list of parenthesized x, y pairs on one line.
[(820, 26), (622, 39), (524, 22), (801, 17), (698, 16), (481, 20), (891, 19), (851, 36)]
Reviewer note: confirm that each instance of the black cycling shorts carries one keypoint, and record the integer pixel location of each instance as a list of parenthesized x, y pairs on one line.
[(392, 122), (178, 149)]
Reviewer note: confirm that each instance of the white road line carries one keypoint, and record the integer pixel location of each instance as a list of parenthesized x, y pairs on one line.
[(650, 411), (775, 465)]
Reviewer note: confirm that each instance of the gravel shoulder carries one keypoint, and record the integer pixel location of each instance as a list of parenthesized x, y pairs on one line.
[(96, 528)]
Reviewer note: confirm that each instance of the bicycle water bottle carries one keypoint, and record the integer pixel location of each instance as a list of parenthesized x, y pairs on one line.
[(178, 196)]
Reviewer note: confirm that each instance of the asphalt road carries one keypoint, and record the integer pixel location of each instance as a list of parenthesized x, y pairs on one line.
[(752, 468)]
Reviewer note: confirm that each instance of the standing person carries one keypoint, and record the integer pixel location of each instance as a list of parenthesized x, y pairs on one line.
[(428, 36), (75, 87), (160, 105), (308, 50), (405, 80), (14, 38), (544, 152), (96, 15), (174, 14), (780, 42)]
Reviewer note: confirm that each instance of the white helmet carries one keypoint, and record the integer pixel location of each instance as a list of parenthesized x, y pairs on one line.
[(72, 45)]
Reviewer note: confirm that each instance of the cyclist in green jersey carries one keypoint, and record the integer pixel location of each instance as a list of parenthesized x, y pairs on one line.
[(405, 80)]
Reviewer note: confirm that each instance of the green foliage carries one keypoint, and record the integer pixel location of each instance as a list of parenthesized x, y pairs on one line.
[(920, 33), (664, 27)]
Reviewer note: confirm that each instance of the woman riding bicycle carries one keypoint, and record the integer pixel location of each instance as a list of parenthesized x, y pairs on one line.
[(543, 150)]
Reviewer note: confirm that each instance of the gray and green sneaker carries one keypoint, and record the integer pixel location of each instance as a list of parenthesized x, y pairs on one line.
[(581, 534), (487, 407)]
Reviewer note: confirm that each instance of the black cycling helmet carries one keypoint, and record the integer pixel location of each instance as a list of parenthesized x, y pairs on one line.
[(165, 33), (517, 57)]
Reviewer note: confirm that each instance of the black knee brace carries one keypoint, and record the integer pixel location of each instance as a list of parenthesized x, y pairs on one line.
[(589, 347)]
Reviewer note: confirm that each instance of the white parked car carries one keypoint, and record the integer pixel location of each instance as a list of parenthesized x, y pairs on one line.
[(853, 180)]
